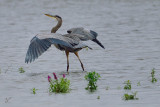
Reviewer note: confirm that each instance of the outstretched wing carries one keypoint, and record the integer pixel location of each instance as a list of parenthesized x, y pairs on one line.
[(41, 42), (85, 34)]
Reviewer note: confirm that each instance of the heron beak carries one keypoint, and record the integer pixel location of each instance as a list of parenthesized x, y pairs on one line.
[(50, 16)]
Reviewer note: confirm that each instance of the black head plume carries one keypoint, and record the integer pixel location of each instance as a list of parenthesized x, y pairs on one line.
[(58, 16)]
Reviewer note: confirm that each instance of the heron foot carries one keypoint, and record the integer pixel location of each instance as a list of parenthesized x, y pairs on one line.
[(67, 73)]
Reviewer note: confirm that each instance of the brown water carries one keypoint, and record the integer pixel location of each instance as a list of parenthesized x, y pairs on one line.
[(129, 29)]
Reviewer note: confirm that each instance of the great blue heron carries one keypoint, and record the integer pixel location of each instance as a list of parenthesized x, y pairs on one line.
[(71, 42)]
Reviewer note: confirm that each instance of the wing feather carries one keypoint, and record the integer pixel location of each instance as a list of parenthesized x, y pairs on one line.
[(85, 34), (39, 45)]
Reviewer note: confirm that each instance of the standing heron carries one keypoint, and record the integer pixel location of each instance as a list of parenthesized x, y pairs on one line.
[(71, 42)]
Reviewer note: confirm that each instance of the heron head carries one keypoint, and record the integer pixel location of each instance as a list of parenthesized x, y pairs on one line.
[(54, 16)]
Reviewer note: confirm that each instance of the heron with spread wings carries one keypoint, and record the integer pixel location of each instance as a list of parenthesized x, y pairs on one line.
[(71, 42)]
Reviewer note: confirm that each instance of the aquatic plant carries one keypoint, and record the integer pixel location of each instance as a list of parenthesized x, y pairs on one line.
[(59, 85), (153, 76), (107, 88), (130, 96), (98, 97), (34, 90), (139, 84), (92, 78), (128, 85), (21, 70)]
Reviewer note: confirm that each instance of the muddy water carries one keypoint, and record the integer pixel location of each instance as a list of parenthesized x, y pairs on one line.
[(130, 31)]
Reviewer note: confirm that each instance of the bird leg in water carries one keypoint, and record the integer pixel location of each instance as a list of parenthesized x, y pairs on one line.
[(76, 53), (67, 55)]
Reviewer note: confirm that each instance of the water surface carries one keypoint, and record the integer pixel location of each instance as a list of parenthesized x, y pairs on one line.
[(128, 29)]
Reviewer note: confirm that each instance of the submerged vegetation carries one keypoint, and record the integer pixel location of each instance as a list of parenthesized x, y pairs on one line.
[(130, 96), (21, 70), (62, 85), (153, 76), (128, 85), (107, 88), (34, 90), (139, 83), (59, 85), (98, 97), (92, 78)]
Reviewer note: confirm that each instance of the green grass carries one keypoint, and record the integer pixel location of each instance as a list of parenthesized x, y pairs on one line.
[(34, 90), (130, 96), (128, 85), (98, 97), (153, 76), (92, 78), (107, 88), (139, 84), (61, 85), (21, 70)]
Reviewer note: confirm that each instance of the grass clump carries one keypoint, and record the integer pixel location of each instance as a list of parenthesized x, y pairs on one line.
[(98, 97), (21, 70), (153, 76), (130, 96), (59, 85), (92, 78), (139, 83), (128, 85), (107, 88), (34, 90)]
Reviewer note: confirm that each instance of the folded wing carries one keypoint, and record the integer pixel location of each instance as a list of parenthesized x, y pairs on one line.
[(85, 34)]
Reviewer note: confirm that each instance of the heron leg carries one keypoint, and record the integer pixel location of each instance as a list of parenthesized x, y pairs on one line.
[(76, 53), (67, 55)]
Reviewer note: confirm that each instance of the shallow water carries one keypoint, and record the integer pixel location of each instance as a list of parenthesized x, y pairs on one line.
[(129, 30)]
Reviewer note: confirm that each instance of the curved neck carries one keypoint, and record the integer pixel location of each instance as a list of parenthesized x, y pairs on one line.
[(54, 29)]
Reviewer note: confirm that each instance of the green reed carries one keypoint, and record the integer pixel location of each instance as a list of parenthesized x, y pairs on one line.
[(92, 78)]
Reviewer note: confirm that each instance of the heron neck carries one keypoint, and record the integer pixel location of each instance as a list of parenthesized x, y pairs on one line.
[(54, 29)]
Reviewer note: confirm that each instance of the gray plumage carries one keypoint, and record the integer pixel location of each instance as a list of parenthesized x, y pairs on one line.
[(41, 42), (85, 34), (71, 42)]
